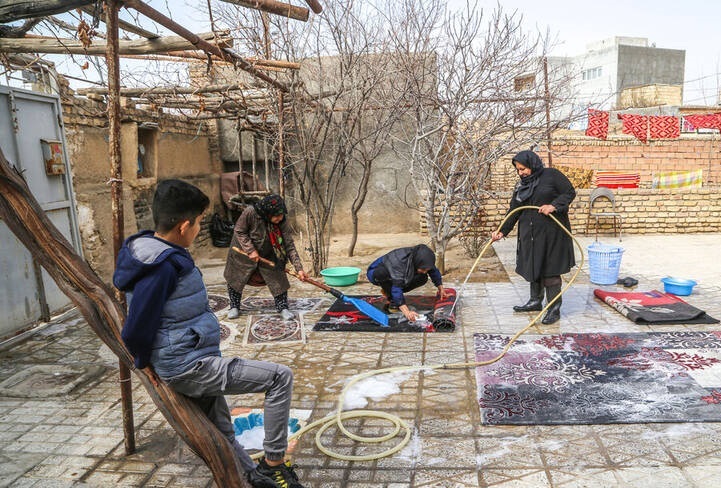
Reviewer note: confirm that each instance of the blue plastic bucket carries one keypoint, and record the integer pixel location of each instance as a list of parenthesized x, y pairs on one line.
[(604, 262), (678, 286)]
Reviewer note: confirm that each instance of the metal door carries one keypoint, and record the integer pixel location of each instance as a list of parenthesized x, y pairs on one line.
[(27, 293)]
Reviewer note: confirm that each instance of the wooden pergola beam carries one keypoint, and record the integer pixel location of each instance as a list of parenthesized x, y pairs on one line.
[(172, 90), (73, 46), (225, 54), (314, 6), (200, 56), (126, 26), (25, 9), (274, 7)]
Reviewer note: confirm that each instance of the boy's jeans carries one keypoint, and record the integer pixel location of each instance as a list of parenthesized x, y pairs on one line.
[(213, 377)]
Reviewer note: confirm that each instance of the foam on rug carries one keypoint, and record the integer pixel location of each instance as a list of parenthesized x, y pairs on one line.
[(600, 378), (435, 315)]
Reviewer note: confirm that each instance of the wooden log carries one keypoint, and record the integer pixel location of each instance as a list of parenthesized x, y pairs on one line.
[(314, 6), (24, 9), (274, 7), (168, 90), (72, 46), (225, 54), (26, 219)]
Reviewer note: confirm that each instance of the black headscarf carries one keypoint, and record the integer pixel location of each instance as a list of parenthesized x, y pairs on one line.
[(423, 258), (267, 208), (525, 187), (271, 206)]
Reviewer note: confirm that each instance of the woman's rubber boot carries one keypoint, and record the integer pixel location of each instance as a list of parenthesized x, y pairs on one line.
[(535, 303), (553, 314)]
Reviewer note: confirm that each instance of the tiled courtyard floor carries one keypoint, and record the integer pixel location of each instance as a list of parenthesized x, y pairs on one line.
[(76, 439)]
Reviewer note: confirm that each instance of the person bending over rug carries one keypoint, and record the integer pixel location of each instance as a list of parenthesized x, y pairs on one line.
[(262, 231), (173, 335), (544, 251), (403, 270)]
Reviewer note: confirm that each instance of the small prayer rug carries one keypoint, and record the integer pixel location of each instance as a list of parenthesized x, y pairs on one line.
[(217, 302), (654, 307), (600, 378), (267, 304), (271, 328), (435, 315)]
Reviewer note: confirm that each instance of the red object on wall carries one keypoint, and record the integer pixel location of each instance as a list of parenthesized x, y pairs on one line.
[(664, 127), (704, 121), (636, 125), (597, 124)]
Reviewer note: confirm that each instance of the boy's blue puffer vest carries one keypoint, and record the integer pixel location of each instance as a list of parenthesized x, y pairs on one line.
[(189, 331)]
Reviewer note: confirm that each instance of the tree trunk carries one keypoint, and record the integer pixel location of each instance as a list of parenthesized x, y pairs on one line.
[(26, 219), (358, 204)]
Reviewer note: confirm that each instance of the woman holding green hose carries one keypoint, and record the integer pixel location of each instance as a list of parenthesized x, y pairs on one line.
[(544, 250)]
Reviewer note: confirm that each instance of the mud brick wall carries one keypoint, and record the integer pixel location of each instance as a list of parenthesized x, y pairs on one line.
[(185, 149)]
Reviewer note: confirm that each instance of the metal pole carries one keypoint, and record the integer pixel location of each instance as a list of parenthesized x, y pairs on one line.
[(281, 153), (116, 192), (547, 97)]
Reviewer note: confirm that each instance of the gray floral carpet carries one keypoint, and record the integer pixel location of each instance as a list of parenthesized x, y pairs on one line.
[(600, 378)]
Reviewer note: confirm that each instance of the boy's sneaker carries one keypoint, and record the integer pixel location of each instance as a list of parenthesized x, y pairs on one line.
[(287, 314), (233, 313), (259, 480), (283, 474)]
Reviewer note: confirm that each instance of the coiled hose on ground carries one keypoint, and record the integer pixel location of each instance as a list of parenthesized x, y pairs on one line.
[(336, 418)]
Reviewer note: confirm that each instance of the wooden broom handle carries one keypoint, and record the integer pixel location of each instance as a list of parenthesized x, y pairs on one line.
[(270, 263), (260, 258)]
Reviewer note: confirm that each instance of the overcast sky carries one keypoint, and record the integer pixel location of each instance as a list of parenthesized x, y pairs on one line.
[(692, 25)]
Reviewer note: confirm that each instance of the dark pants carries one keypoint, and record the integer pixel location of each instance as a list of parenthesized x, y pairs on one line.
[(418, 280)]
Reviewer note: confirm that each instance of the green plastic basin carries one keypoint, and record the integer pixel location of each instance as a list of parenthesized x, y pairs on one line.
[(340, 276)]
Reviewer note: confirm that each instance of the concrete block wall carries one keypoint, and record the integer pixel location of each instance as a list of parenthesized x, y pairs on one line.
[(645, 211)]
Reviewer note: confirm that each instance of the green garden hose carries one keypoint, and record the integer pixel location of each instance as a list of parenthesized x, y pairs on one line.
[(336, 418)]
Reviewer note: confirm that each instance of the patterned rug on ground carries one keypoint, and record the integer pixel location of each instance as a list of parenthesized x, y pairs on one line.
[(271, 328), (600, 378), (654, 307), (219, 302), (436, 315)]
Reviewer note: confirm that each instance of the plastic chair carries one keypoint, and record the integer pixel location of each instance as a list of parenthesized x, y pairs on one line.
[(603, 192)]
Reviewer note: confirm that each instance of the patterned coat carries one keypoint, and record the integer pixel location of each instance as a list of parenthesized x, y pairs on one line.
[(251, 233)]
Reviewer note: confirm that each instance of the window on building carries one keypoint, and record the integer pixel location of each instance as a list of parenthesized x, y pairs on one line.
[(592, 74), (147, 145), (523, 83)]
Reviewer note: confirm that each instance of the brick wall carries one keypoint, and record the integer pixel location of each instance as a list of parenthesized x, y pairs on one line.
[(645, 210)]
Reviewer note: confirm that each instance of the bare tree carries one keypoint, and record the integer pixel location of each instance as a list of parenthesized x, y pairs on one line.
[(473, 88), (337, 118)]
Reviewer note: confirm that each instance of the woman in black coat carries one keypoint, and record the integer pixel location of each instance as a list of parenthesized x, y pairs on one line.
[(544, 251)]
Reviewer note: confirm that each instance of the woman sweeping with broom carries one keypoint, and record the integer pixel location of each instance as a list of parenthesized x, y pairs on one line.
[(262, 231)]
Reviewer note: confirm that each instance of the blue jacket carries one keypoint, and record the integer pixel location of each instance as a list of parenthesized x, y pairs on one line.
[(397, 269), (170, 324)]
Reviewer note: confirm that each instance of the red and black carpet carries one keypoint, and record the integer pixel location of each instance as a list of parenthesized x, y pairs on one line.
[(436, 315), (600, 378), (654, 307)]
